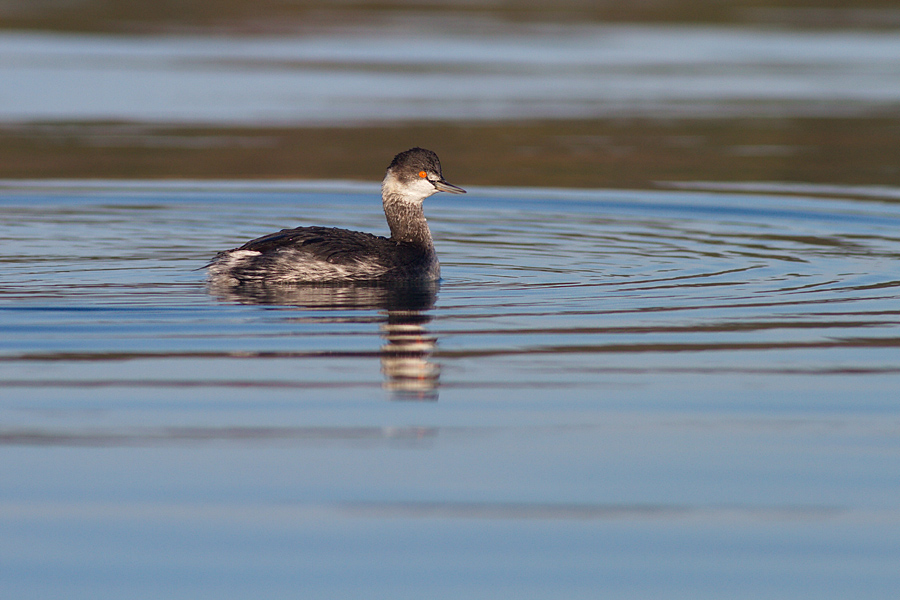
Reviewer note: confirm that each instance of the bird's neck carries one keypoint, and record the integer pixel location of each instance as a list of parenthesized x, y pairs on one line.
[(407, 221)]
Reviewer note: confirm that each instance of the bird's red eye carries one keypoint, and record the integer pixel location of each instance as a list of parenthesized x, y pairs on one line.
[(423, 174)]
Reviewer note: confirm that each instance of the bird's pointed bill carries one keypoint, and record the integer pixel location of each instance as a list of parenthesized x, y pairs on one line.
[(443, 186)]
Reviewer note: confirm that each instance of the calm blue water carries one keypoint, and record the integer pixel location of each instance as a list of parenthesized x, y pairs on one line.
[(680, 393), (434, 70)]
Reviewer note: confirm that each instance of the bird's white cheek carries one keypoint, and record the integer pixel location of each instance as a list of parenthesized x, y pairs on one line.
[(425, 188)]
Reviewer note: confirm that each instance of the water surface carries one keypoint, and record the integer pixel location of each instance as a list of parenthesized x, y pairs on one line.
[(683, 392), (423, 72)]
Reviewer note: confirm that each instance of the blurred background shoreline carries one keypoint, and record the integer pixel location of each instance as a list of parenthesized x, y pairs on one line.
[(630, 153), (298, 16), (819, 104)]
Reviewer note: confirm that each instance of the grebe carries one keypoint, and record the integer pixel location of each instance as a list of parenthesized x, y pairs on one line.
[(324, 254)]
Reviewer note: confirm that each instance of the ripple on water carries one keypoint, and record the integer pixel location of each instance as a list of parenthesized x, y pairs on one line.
[(678, 277), (617, 374)]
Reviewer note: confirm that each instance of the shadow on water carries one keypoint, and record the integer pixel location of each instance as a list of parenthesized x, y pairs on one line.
[(406, 356)]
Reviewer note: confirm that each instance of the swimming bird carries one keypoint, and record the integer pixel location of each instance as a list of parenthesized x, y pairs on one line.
[(325, 254)]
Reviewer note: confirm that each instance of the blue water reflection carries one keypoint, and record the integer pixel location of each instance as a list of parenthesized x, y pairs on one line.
[(656, 394), (347, 76)]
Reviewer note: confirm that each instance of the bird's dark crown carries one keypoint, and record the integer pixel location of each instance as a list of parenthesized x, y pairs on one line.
[(415, 160)]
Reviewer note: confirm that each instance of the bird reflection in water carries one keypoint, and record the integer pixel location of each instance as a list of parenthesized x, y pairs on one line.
[(406, 355)]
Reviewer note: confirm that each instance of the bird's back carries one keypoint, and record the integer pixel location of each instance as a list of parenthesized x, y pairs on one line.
[(323, 254)]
